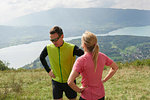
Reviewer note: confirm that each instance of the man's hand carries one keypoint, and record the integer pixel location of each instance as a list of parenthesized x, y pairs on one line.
[(51, 74)]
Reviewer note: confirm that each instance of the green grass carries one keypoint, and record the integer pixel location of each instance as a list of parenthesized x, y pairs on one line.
[(131, 83)]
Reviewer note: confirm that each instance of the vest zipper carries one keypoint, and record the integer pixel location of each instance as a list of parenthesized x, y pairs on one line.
[(60, 65)]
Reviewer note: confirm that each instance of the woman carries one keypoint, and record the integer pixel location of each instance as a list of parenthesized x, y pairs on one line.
[(90, 66)]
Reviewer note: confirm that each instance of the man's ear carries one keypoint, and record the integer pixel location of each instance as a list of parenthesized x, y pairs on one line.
[(62, 36)]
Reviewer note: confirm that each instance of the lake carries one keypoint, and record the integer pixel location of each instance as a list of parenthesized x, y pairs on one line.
[(135, 31), (20, 55)]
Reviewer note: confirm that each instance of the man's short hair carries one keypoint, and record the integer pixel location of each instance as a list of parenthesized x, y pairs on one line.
[(56, 29)]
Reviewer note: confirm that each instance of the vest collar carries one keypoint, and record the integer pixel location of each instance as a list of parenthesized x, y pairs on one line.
[(62, 44)]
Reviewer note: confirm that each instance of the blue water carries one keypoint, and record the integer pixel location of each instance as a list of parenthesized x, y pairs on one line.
[(135, 31), (21, 55)]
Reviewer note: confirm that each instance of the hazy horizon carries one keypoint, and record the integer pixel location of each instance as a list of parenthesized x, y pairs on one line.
[(13, 9)]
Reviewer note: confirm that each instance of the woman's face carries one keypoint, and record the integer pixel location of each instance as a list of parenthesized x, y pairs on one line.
[(82, 43)]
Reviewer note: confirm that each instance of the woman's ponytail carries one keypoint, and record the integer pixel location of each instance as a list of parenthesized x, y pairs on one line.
[(95, 55), (90, 41)]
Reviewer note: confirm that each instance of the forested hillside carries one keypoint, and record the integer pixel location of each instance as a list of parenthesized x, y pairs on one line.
[(119, 48)]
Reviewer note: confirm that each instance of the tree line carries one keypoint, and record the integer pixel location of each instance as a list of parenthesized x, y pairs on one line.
[(3, 66), (135, 63)]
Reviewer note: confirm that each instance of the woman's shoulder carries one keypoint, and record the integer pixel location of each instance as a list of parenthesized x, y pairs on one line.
[(81, 58), (102, 54)]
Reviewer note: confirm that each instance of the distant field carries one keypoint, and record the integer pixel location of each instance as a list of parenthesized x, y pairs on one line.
[(128, 84)]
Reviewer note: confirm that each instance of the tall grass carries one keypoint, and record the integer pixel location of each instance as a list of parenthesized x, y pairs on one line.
[(129, 83)]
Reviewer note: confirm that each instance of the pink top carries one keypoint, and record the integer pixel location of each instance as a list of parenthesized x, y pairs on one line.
[(91, 79)]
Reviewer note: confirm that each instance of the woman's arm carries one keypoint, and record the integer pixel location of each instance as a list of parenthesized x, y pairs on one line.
[(112, 71), (71, 83), (71, 79)]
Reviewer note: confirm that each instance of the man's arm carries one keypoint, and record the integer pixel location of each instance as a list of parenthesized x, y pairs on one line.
[(43, 60), (77, 51)]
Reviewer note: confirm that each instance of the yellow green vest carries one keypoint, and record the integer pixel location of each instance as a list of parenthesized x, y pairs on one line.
[(61, 60)]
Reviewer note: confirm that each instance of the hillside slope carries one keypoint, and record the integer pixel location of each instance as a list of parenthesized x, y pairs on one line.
[(118, 48)]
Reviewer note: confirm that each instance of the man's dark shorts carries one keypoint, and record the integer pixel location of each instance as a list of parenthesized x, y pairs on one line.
[(58, 89)]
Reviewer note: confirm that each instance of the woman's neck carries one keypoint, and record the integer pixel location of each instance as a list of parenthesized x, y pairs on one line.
[(85, 50)]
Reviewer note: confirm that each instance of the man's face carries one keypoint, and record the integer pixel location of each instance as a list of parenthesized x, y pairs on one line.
[(56, 39)]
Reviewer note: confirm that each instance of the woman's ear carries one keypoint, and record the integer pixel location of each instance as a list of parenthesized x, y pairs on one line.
[(83, 45)]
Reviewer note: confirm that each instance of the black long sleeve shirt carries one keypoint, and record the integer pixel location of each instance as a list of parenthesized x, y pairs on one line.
[(77, 51)]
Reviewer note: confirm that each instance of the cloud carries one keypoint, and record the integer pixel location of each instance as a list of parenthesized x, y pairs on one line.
[(132, 4), (14, 8)]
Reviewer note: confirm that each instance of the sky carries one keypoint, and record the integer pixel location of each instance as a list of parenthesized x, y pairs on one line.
[(10, 9)]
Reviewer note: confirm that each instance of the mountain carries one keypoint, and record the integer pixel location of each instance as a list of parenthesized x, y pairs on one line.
[(74, 17), (74, 21), (14, 35), (77, 20), (119, 48)]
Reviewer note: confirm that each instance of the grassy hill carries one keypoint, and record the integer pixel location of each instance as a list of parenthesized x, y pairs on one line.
[(118, 48), (129, 83)]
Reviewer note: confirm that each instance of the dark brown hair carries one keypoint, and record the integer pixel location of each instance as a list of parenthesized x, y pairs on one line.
[(56, 29)]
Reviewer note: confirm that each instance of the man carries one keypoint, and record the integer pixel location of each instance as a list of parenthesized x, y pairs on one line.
[(61, 56)]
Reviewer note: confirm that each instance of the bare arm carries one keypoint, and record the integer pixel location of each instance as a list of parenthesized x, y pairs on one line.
[(111, 72), (71, 83)]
